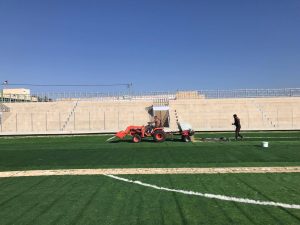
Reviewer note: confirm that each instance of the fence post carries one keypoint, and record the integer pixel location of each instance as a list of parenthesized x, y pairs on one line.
[(74, 126), (1, 120), (248, 117), (219, 119), (16, 122), (89, 120), (46, 121), (118, 120), (262, 117), (277, 119), (31, 122), (59, 121), (292, 117), (104, 127), (132, 117)]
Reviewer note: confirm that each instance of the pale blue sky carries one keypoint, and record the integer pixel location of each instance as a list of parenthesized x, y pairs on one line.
[(157, 45)]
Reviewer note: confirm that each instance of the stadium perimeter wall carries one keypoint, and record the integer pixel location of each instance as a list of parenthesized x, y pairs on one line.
[(92, 116)]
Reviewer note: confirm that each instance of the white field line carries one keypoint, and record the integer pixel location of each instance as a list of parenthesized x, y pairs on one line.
[(199, 138), (272, 137), (212, 196), (115, 171), (111, 138)]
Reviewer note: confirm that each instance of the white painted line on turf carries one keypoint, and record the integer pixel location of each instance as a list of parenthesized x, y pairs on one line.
[(199, 138), (111, 138), (207, 195), (118, 171)]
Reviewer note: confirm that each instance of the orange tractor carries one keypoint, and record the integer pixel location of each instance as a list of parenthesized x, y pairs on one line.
[(139, 132)]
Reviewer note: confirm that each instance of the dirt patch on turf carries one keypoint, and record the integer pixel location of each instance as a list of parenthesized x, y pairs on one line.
[(31, 173)]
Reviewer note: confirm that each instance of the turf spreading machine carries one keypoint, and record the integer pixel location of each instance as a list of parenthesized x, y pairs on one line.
[(140, 132), (157, 133), (186, 131)]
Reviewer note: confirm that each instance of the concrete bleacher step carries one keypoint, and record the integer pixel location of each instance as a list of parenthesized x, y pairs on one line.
[(66, 123), (4, 108)]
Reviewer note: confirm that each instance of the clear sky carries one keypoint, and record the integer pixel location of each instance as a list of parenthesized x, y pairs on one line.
[(155, 44)]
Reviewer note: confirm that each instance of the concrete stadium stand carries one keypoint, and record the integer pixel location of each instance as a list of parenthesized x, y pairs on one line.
[(92, 116)]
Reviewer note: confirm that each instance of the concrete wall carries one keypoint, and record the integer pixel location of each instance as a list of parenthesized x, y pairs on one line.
[(255, 114), (111, 116)]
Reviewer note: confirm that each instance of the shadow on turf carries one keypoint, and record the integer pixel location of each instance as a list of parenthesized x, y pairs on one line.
[(145, 140)]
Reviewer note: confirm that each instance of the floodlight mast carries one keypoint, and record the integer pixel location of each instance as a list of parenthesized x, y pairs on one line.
[(129, 87)]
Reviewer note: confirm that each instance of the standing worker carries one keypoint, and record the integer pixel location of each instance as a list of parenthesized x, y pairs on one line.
[(237, 124)]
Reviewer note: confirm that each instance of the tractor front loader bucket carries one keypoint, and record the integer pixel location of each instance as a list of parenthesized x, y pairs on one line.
[(121, 134)]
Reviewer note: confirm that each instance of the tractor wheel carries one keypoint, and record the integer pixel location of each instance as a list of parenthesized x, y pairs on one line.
[(186, 138), (159, 136), (136, 138)]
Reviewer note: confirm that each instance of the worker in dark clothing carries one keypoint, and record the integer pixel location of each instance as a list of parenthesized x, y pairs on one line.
[(237, 124), (157, 122), (154, 124)]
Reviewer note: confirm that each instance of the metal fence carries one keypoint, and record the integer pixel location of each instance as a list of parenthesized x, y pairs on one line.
[(251, 93), (3, 108), (209, 94)]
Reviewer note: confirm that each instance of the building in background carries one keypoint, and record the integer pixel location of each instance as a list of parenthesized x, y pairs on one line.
[(16, 95)]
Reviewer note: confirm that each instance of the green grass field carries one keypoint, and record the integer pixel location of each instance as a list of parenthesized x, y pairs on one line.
[(103, 200), (94, 152)]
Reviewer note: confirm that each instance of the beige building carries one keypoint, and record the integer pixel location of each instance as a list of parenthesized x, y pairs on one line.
[(15, 91), (16, 94)]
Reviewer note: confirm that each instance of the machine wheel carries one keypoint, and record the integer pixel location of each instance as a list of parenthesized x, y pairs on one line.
[(186, 138), (136, 138), (159, 136)]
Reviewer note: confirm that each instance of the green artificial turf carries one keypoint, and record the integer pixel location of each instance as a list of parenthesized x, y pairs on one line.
[(102, 200), (93, 152)]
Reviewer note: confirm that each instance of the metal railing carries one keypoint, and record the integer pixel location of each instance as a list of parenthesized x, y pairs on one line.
[(4, 108), (251, 93), (151, 96)]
